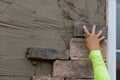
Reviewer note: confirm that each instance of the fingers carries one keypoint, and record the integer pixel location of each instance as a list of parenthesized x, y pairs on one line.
[(86, 30), (99, 33), (100, 39), (93, 29)]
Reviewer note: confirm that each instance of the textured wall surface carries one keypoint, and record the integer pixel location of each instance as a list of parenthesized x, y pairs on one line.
[(40, 23)]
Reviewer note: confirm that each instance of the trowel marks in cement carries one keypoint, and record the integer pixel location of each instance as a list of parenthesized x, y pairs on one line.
[(83, 11), (40, 23)]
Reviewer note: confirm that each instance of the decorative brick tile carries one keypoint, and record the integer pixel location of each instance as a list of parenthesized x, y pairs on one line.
[(78, 29), (72, 69), (46, 78), (47, 54), (78, 50), (76, 79)]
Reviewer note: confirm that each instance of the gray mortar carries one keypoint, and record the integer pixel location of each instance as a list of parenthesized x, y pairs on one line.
[(40, 23)]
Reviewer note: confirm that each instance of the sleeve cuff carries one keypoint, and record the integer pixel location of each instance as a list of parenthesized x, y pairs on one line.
[(95, 54)]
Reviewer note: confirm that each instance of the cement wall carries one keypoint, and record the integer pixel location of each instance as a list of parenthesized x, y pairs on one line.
[(40, 23)]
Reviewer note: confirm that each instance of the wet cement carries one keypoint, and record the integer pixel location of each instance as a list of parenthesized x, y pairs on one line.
[(40, 23)]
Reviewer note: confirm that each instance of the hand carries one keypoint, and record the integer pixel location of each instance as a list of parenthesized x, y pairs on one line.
[(93, 40)]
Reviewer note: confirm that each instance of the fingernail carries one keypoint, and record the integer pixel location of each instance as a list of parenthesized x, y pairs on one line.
[(103, 37), (94, 25), (101, 31), (84, 26)]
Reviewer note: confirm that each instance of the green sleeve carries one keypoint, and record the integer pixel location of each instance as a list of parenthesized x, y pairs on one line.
[(99, 67)]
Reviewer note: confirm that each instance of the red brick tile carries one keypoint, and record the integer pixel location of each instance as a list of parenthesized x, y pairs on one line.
[(46, 78), (72, 69), (78, 50), (76, 79)]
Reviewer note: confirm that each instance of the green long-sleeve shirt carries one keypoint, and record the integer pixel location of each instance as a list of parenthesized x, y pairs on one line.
[(99, 67)]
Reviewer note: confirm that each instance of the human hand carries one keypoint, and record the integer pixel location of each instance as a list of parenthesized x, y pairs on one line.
[(93, 40)]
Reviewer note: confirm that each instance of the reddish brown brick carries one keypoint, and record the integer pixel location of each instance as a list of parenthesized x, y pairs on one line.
[(76, 79), (72, 69), (46, 78), (78, 50), (104, 48)]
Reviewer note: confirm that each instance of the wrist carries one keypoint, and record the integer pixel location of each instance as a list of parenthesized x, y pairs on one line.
[(94, 53), (95, 48)]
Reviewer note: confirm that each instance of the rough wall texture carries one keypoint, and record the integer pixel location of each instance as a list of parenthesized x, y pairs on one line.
[(40, 23)]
